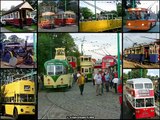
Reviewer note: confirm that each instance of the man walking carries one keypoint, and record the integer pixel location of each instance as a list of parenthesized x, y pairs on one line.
[(80, 82), (98, 82)]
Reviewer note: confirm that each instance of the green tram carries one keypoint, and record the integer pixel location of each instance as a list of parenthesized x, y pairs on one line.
[(58, 74), (86, 66)]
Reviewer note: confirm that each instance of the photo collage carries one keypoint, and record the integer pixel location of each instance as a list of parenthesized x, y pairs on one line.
[(79, 59)]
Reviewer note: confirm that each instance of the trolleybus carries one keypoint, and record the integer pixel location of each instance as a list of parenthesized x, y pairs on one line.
[(19, 98), (140, 97), (139, 19)]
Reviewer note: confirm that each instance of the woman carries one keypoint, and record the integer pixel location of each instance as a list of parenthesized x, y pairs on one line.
[(80, 82)]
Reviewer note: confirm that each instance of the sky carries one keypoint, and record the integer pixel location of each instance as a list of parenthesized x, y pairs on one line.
[(153, 3), (105, 5), (152, 72), (22, 35), (138, 37), (6, 5), (91, 44)]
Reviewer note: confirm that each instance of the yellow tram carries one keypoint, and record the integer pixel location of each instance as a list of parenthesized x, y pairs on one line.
[(86, 66), (19, 98)]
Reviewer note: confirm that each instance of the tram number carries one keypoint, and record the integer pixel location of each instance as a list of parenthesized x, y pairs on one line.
[(26, 87)]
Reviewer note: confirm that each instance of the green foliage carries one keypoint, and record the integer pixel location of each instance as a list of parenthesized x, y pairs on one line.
[(86, 13), (119, 9), (47, 44)]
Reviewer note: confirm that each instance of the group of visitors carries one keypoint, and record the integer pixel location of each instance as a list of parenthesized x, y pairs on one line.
[(105, 80), (102, 80)]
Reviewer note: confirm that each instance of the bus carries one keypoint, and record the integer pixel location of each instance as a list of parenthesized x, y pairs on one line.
[(139, 19), (19, 98), (140, 97)]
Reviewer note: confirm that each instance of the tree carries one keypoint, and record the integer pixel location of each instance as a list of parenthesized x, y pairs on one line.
[(86, 13), (119, 9), (136, 73), (33, 3), (13, 38), (47, 44)]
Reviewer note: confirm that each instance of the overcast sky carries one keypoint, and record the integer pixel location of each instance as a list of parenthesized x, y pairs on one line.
[(105, 5), (152, 72), (22, 35), (101, 38), (6, 4), (138, 37)]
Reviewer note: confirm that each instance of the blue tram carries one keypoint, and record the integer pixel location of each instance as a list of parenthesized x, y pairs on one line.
[(143, 53)]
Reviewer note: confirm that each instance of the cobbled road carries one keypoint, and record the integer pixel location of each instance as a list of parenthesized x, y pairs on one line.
[(59, 105)]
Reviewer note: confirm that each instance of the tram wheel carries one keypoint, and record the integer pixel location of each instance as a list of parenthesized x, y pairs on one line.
[(15, 114)]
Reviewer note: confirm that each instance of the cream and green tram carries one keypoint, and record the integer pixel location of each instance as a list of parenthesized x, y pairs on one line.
[(58, 74)]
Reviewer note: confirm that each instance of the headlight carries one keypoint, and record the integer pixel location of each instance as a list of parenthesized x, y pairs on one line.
[(33, 110), (21, 110), (142, 24), (129, 24)]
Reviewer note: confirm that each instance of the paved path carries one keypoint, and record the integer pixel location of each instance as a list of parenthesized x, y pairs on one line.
[(56, 105)]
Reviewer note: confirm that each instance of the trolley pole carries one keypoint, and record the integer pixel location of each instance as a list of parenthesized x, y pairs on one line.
[(118, 46), (65, 5), (34, 45), (95, 9)]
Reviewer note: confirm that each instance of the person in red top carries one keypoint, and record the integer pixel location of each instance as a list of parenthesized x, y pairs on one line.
[(120, 91), (103, 80)]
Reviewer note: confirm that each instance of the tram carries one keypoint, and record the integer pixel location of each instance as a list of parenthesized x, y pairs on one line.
[(65, 18), (72, 61), (139, 19), (19, 98), (47, 20), (86, 66), (58, 71), (108, 61), (19, 16), (58, 74), (144, 52), (140, 97)]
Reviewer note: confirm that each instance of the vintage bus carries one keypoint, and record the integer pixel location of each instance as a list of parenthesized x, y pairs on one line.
[(139, 19), (19, 98), (86, 66), (140, 97)]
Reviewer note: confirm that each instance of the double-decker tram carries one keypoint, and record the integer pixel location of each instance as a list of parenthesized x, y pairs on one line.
[(65, 18), (19, 15), (72, 61), (86, 66), (139, 19), (58, 71), (19, 97), (140, 97)]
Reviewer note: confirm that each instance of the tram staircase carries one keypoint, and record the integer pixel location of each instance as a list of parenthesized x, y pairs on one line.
[(157, 109)]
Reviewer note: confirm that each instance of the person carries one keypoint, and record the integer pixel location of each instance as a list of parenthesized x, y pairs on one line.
[(120, 89), (80, 82), (98, 82), (107, 78), (115, 81), (103, 80), (75, 77)]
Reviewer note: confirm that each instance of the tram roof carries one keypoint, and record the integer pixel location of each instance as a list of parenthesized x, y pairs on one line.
[(139, 80), (24, 5), (48, 13)]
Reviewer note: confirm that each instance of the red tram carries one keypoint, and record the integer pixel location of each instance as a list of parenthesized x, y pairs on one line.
[(72, 61), (140, 97), (107, 61), (65, 18), (19, 15)]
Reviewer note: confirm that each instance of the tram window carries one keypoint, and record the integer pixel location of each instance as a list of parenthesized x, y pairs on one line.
[(82, 70), (139, 102), (90, 70), (85, 59), (50, 69), (149, 102), (133, 102), (138, 86), (86, 70), (59, 69), (148, 85)]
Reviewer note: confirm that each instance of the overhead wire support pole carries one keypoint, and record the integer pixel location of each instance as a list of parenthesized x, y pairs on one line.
[(95, 9), (118, 52)]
